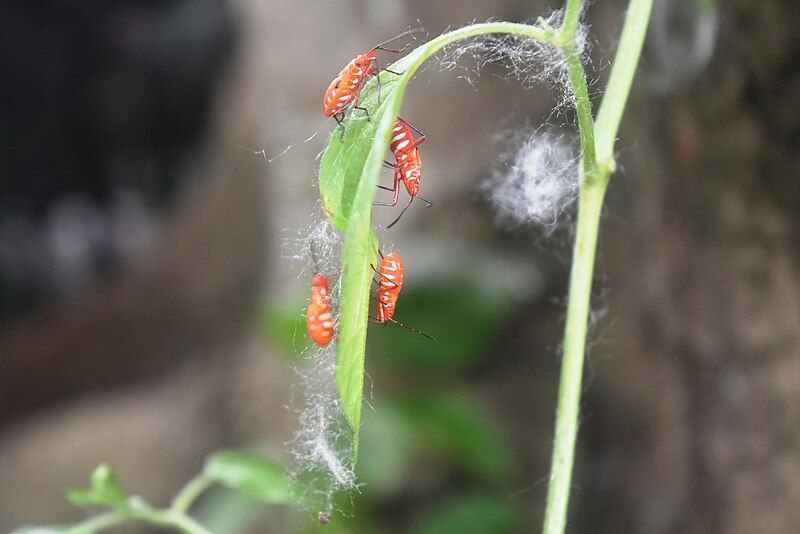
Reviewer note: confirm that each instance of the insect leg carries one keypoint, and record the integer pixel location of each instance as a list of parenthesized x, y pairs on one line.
[(391, 71), (383, 275), (365, 110), (378, 76), (396, 192), (340, 120)]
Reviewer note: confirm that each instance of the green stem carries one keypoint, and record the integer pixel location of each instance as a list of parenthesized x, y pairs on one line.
[(165, 518), (141, 511), (99, 522), (572, 16), (590, 206), (183, 523), (583, 108), (190, 492), (620, 79), (597, 144), (527, 30)]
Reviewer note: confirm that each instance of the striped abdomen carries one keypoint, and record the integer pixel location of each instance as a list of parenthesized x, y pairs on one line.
[(408, 160), (319, 320), (392, 274), (401, 136), (345, 88)]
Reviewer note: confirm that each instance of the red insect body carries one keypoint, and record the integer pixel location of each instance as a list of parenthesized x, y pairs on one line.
[(319, 320), (392, 274), (345, 89), (408, 165)]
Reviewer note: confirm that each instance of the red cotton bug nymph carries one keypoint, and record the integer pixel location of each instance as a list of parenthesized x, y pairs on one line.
[(319, 320), (392, 274), (407, 166), (346, 87)]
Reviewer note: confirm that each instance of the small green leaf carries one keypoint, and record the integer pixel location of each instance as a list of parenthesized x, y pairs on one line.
[(254, 475), (348, 178), (105, 490)]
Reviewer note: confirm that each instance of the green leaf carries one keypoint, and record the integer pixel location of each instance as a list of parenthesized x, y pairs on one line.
[(105, 490), (254, 475), (348, 178)]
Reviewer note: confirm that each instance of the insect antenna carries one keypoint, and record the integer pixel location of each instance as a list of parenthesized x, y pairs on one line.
[(420, 332), (410, 200), (393, 51), (407, 31), (412, 127)]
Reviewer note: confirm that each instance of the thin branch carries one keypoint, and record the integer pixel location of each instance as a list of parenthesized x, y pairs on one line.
[(572, 16), (620, 79), (190, 492), (595, 174)]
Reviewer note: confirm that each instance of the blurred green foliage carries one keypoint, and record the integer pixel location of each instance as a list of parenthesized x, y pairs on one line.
[(254, 475), (105, 490), (462, 514), (462, 314)]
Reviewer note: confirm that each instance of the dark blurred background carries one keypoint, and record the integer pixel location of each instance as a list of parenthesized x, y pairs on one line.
[(148, 312)]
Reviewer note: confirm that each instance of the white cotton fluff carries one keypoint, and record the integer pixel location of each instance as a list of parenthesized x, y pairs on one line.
[(321, 445), (525, 60), (536, 181)]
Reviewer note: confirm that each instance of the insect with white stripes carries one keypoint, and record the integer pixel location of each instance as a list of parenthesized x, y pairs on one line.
[(392, 273), (407, 166), (345, 89)]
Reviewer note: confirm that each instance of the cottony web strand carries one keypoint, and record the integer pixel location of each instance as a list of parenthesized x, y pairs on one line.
[(527, 61), (320, 448)]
